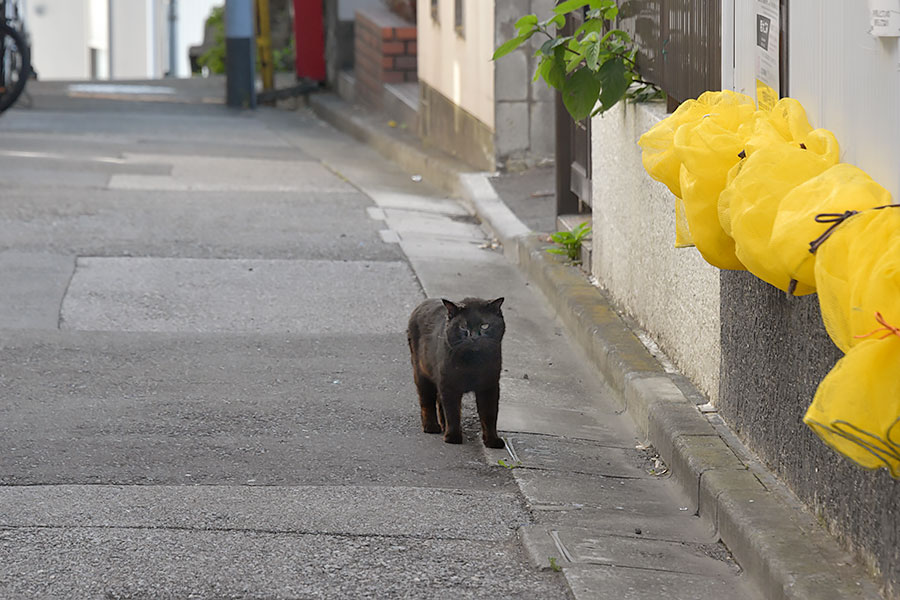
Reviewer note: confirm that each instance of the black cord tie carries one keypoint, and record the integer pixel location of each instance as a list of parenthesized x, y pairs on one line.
[(835, 219)]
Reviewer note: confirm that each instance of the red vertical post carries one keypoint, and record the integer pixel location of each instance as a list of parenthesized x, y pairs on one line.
[(309, 39)]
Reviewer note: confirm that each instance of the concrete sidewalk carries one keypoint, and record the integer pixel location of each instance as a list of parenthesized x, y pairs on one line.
[(779, 546)]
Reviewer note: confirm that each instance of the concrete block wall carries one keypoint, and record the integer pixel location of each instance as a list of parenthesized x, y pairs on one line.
[(385, 51), (525, 126)]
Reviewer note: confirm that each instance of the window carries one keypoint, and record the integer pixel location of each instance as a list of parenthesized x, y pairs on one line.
[(459, 19)]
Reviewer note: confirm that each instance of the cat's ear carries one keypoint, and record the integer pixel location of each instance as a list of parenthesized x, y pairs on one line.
[(452, 309), (495, 304)]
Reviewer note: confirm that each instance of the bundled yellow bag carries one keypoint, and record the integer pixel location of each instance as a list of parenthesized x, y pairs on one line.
[(786, 122), (756, 187), (839, 189), (856, 409), (658, 154), (857, 271), (708, 149)]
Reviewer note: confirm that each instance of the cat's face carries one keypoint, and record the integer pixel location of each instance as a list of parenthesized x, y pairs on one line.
[(475, 324)]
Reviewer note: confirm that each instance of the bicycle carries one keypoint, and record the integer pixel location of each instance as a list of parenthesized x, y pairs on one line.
[(15, 54)]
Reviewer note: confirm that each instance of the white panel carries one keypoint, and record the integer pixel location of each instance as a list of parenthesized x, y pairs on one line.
[(59, 38), (849, 83), (742, 33)]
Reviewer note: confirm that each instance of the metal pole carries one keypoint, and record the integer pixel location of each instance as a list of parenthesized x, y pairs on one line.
[(264, 45), (109, 37), (173, 39), (240, 54)]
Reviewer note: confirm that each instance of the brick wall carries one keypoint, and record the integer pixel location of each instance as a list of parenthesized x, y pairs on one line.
[(385, 52)]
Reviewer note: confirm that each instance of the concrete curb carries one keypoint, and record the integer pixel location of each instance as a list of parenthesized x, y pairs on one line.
[(779, 544)]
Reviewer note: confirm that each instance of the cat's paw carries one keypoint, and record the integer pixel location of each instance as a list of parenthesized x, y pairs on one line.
[(432, 428), (453, 437), (495, 443)]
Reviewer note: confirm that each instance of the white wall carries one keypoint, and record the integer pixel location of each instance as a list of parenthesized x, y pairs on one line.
[(847, 80), (671, 292), (64, 31), (459, 68), (191, 22), (59, 38), (131, 40)]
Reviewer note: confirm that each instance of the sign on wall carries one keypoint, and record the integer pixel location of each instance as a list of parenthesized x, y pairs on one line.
[(768, 28), (884, 15)]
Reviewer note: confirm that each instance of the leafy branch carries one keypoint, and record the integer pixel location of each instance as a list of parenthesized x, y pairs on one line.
[(594, 65)]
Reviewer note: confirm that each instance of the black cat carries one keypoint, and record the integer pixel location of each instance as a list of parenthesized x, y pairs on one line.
[(455, 348)]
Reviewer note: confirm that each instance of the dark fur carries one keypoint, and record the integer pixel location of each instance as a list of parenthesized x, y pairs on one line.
[(455, 348)]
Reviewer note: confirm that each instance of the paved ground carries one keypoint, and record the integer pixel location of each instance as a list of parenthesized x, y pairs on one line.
[(531, 196), (205, 389)]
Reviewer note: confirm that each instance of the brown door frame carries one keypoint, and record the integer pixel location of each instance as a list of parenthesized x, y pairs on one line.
[(573, 179)]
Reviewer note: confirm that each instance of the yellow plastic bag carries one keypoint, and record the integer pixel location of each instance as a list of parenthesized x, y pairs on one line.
[(856, 409), (683, 237), (839, 189), (786, 122), (857, 272), (708, 149), (756, 187), (658, 155)]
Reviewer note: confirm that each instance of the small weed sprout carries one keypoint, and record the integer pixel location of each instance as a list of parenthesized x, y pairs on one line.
[(570, 242), (554, 566)]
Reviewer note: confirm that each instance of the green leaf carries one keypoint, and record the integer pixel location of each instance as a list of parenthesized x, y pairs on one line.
[(555, 74), (580, 93), (550, 45), (582, 230), (508, 46), (590, 26), (592, 56), (568, 6), (614, 78), (558, 21), (526, 23)]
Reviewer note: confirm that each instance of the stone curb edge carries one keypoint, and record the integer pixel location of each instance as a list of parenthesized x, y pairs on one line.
[(781, 546)]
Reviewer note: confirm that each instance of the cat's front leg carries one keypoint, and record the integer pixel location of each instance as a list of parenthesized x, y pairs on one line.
[(451, 405), (488, 402)]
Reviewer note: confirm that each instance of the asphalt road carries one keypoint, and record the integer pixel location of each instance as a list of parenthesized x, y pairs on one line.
[(205, 387)]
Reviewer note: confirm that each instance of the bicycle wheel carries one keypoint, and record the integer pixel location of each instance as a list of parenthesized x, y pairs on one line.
[(15, 65)]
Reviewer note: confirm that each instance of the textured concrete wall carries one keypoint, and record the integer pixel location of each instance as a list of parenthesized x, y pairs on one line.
[(774, 354), (672, 293)]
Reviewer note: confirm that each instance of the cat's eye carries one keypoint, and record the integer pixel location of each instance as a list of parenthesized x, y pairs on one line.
[(464, 331), (485, 325)]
